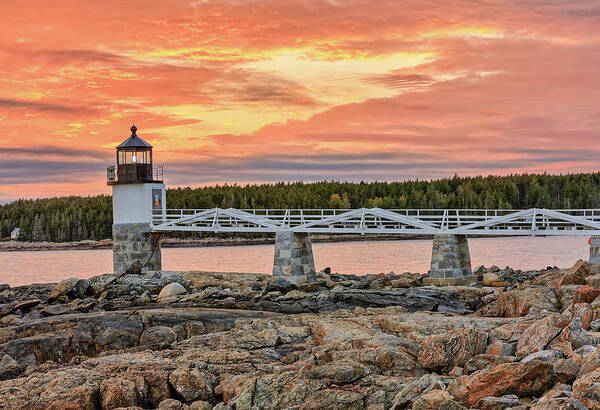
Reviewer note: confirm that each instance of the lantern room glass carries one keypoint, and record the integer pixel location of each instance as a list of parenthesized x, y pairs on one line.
[(134, 156)]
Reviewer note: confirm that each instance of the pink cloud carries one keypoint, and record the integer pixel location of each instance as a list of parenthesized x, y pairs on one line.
[(511, 84)]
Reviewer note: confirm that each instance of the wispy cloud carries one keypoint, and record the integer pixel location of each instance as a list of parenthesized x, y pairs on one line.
[(49, 150), (42, 106), (399, 81)]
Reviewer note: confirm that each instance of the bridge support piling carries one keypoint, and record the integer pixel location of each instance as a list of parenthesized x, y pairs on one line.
[(450, 261), (293, 260), (595, 250), (136, 244)]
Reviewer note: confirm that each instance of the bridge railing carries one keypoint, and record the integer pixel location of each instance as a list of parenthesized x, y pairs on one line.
[(376, 220)]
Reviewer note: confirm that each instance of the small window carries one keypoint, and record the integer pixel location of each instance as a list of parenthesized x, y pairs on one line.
[(129, 157), (134, 156)]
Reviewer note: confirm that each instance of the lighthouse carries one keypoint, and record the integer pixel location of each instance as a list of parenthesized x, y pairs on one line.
[(139, 198)]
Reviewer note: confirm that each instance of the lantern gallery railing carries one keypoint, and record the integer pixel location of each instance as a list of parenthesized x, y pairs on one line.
[(134, 174), (157, 173), (533, 221)]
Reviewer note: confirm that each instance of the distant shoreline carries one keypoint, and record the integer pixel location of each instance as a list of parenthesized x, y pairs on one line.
[(19, 246)]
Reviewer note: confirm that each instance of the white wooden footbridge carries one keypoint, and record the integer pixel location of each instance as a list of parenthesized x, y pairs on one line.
[(450, 262), (529, 222), (140, 218)]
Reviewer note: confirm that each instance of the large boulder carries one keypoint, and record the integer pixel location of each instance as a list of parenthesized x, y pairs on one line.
[(436, 400), (9, 368), (117, 392), (517, 302), (157, 335), (201, 405), (595, 325), (191, 384), (172, 289), (491, 279), (81, 397), (7, 361), (414, 299), (498, 403), (153, 378), (19, 306), (587, 389), (415, 388), (59, 346), (522, 379), (543, 355), (500, 348), (566, 370), (68, 289), (116, 339), (483, 361), (326, 330), (339, 372), (576, 274), (171, 404), (586, 294), (577, 336), (537, 336), (280, 285), (115, 286), (593, 280), (452, 349), (581, 354), (590, 363), (561, 401), (290, 389)]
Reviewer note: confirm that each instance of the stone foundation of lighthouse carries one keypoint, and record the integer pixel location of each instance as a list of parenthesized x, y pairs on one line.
[(135, 247)]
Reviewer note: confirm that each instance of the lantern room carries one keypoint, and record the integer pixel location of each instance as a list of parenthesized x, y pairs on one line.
[(134, 162)]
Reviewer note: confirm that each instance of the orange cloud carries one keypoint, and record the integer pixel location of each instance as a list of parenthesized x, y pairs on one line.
[(261, 91)]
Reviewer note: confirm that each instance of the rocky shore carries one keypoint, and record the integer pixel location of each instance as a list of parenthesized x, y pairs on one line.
[(199, 340)]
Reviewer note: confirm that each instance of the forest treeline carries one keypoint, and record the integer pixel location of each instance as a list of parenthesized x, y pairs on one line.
[(77, 218)]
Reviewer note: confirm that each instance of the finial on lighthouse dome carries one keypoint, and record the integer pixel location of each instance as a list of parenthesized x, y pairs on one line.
[(133, 129)]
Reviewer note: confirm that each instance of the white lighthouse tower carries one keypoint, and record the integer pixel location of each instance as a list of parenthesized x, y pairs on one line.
[(139, 198)]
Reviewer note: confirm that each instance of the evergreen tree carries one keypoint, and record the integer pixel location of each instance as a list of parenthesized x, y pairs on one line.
[(37, 232)]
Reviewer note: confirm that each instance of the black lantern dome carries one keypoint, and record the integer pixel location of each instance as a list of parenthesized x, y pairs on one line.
[(134, 162)]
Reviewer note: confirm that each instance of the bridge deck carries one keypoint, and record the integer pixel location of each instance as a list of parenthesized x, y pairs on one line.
[(534, 221)]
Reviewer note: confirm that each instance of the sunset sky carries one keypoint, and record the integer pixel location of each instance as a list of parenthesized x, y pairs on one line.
[(264, 91)]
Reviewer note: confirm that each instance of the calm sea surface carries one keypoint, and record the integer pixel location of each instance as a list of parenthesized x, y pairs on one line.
[(21, 268)]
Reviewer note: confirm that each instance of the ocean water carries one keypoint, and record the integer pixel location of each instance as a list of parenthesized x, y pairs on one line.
[(21, 268)]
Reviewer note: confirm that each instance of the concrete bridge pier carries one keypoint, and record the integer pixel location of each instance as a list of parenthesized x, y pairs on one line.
[(450, 261), (595, 250), (135, 245), (293, 260)]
